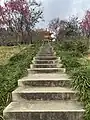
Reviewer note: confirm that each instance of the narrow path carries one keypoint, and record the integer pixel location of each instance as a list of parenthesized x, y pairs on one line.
[(45, 94)]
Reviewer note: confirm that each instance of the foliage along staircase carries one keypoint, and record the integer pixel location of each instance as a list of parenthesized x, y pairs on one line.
[(45, 94)]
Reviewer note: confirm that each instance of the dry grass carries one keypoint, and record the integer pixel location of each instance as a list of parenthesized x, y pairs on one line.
[(7, 52)]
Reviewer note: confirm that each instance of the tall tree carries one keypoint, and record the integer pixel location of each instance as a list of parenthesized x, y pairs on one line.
[(65, 28), (35, 16), (54, 25), (72, 27)]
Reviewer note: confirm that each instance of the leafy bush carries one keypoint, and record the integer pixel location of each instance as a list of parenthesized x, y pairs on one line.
[(75, 54), (81, 47), (81, 82), (72, 45), (68, 45), (87, 115), (70, 63)]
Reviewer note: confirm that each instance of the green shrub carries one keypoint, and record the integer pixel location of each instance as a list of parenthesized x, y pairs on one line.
[(75, 54), (68, 45), (81, 47), (74, 45), (81, 82), (87, 114), (70, 63)]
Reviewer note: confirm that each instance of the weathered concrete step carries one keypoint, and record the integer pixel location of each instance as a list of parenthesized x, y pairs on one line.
[(44, 83), (47, 70), (44, 110), (46, 58), (45, 65), (46, 76), (46, 50), (43, 93), (45, 61), (45, 80), (46, 54)]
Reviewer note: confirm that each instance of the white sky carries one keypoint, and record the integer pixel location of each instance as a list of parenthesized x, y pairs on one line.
[(62, 9)]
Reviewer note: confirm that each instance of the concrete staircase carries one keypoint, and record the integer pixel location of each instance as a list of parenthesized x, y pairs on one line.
[(45, 94)]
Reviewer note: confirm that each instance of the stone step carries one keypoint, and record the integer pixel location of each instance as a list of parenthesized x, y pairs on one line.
[(43, 93), (44, 83), (48, 76), (46, 58), (46, 50), (44, 110), (46, 70), (45, 61), (45, 80), (45, 65), (46, 54)]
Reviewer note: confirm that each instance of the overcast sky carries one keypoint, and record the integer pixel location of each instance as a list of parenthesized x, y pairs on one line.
[(63, 9)]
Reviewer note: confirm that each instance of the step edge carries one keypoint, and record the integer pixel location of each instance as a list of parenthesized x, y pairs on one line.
[(39, 92), (20, 80), (82, 110)]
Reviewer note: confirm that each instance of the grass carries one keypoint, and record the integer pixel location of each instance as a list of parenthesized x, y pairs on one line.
[(11, 72), (78, 67), (7, 52)]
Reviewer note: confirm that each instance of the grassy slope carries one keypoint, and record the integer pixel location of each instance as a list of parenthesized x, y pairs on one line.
[(7, 52), (78, 67), (14, 70)]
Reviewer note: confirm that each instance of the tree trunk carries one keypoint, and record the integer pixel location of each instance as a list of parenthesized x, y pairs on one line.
[(30, 41), (17, 38), (31, 37), (22, 38)]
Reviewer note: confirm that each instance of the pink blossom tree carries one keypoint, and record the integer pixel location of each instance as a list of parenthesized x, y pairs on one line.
[(85, 24), (20, 16)]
